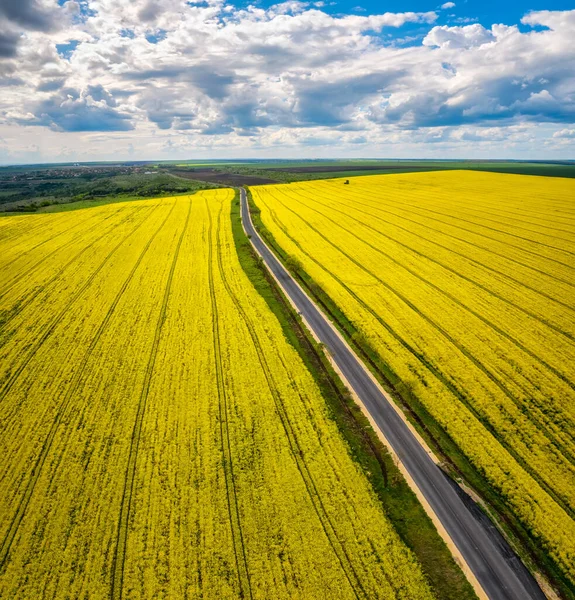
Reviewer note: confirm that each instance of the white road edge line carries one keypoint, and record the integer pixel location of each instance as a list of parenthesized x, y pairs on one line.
[(415, 489)]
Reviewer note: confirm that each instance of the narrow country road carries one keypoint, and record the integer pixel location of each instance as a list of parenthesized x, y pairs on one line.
[(496, 567)]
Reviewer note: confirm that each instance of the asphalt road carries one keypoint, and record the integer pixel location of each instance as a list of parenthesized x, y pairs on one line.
[(497, 568)]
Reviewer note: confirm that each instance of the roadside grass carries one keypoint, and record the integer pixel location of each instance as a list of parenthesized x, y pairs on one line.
[(454, 463), (398, 501)]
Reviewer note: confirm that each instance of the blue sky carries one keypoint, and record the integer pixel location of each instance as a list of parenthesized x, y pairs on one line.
[(157, 79), (484, 12)]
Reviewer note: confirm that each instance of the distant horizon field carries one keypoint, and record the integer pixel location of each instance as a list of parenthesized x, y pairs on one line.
[(293, 161)]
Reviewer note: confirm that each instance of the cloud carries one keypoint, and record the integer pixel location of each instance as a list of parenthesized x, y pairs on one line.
[(467, 36), (8, 43), (555, 20), (565, 134), (51, 85), (448, 5), (291, 72), (92, 109), (321, 102), (29, 14)]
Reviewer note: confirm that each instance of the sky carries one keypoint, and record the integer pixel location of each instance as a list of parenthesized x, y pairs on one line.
[(85, 80)]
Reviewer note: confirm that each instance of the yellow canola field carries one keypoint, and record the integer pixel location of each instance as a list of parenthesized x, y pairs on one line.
[(464, 283), (159, 436)]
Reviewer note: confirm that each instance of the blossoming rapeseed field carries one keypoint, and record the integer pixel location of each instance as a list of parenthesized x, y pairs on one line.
[(159, 436), (463, 282)]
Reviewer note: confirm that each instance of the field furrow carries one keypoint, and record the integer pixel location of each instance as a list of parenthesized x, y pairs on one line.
[(125, 506), (518, 294), (62, 409), (245, 588), (297, 451)]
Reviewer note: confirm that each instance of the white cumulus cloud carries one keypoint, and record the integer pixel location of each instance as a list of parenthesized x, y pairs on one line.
[(199, 73)]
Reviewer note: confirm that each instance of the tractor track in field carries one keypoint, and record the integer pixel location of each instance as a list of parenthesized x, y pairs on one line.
[(445, 293), (24, 226), (483, 235), (295, 448), (231, 493), (457, 273), (56, 235), (447, 383), (46, 446), (535, 214), (20, 306), (379, 209), (494, 229), (118, 562), (546, 430), (497, 231), (19, 276), (60, 316), (502, 214)]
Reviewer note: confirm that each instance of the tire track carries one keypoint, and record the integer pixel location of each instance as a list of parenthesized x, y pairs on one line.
[(459, 274), (296, 450), (119, 558), (7, 386), (47, 445), (512, 216), (24, 226), (231, 493), (460, 394), (494, 229), (52, 238), (20, 306), (494, 208), (447, 294), (463, 209), (504, 243), (483, 248), (18, 277)]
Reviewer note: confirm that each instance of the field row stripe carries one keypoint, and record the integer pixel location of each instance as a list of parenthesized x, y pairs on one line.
[(28, 270), (443, 233), (78, 223), (126, 502), (30, 231), (454, 299), (473, 232), (466, 352), (46, 446), (21, 305), (457, 273), (56, 321), (231, 492), (512, 216), (494, 229), (494, 207)]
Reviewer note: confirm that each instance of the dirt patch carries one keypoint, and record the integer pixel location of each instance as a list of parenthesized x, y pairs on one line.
[(213, 176)]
